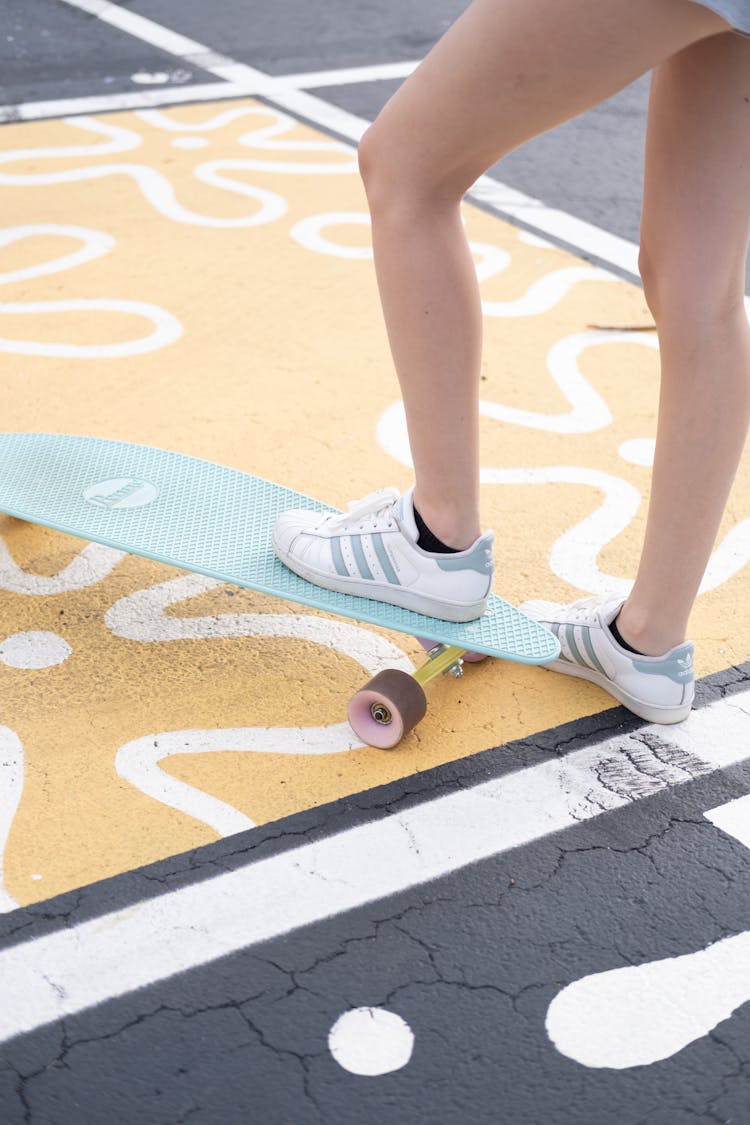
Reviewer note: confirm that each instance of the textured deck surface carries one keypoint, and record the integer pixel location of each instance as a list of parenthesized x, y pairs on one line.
[(214, 520)]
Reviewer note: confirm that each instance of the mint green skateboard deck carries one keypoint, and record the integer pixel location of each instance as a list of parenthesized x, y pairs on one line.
[(217, 521)]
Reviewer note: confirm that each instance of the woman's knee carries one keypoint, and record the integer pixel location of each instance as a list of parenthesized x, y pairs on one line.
[(683, 285), (398, 179), (369, 156)]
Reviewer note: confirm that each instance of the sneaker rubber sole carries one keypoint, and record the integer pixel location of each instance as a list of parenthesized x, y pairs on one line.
[(651, 712)]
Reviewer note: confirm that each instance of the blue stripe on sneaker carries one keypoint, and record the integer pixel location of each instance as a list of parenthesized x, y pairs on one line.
[(570, 637), (384, 561), (338, 557), (589, 646), (359, 555)]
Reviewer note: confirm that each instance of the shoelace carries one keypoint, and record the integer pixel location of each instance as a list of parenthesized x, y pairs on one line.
[(375, 505), (583, 610)]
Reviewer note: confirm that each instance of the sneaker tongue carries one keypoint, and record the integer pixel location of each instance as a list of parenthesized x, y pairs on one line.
[(608, 610), (405, 515)]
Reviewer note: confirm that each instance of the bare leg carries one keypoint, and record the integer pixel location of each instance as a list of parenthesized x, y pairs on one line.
[(506, 71), (696, 224)]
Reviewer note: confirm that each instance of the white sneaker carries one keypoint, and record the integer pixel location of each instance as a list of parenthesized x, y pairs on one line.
[(372, 551), (659, 689)]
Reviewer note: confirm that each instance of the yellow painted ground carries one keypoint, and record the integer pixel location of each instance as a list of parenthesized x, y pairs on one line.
[(281, 369)]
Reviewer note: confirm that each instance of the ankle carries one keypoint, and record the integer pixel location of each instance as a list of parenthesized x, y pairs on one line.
[(646, 631), (456, 529)]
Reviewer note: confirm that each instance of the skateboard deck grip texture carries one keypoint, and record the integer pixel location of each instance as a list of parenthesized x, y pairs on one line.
[(213, 520)]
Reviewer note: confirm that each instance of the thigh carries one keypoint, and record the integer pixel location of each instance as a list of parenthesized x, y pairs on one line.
[(510, 69), (696, 206)]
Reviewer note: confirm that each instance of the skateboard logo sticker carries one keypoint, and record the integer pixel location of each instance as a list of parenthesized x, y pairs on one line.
[(122, 492)]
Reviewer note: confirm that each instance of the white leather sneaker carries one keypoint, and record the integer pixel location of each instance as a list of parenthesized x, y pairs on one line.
[(659, 689), (371, 551)]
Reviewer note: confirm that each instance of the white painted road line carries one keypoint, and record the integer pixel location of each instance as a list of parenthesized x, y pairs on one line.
[(112, 103), (349, 76), (54, 976), (204, 92)]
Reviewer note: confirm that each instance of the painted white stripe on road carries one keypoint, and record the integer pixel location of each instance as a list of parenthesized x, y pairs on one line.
[(203, 92), (108, 103), (53, 976), (350, 76)]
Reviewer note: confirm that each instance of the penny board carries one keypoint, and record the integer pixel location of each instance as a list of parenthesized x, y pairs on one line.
[(213, 520)]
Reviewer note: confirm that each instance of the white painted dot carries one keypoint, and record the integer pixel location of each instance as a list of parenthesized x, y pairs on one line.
[(189, 142), (36, 877), (35, 649), (371, 1041), (144, 78), (638, 451)]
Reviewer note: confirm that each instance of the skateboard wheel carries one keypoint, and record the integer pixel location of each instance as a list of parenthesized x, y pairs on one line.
[(387, 708), (469, 657)]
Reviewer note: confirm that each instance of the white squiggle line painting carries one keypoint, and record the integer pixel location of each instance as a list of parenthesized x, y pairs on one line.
[(308, 232), (166, 327), (641, 1014), (94, 563), (119, 140), (266, 137), (548, 291), (141, 616), (138, 763), (158, 191), (95, 244), (588, 410), (213, 173), (574, 554), (155, 187), (11, 787), (730, 557), (541, 296)]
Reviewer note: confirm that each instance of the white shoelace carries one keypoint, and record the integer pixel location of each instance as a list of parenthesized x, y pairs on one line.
[(583, 611), (377, 508)]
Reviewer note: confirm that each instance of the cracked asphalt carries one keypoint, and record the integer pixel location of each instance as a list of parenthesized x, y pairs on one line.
[(472, 959), (471, 962)]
